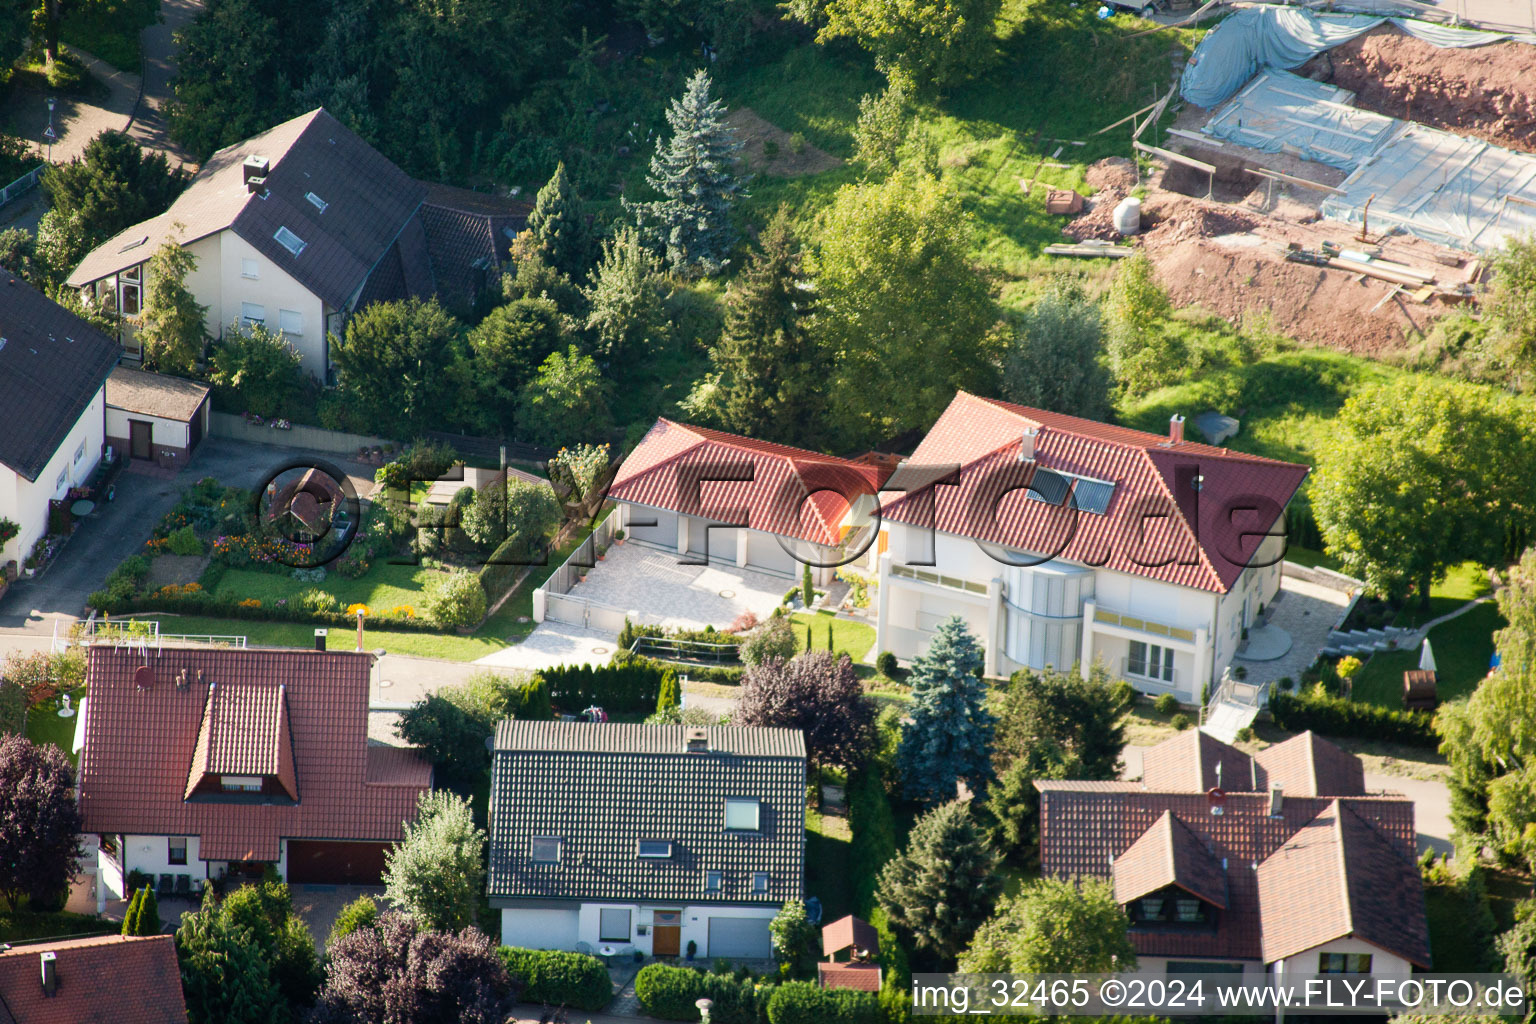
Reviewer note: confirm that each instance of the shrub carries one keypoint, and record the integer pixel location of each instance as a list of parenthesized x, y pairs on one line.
[(184, 542), (803, 1002), (1348, 666), (1125, 694), (1180, 721), (885, 664), (315, 600), (670, 993), (1166, 704), (421, 461), (773, 639), (1334, 716), (457, 600), (1245, 734), (559, 978), (354, 563)]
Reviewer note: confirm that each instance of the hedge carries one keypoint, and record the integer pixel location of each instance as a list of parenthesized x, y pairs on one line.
[(801, 1002), (558, 978), (729, 675), (670, 993), (1336, 716), (632, 686), (199, 603)]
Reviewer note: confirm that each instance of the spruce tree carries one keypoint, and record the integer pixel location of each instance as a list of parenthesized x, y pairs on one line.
[(557, 227), (628, 315), (943, 885), (693, 171), (949, 737), (773, 371), (131, 915), (148, 922)]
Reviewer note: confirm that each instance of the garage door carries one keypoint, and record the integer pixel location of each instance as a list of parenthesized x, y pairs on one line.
[(740, 937), (765, 555), (539, 928), (663, 533), (335, 863)]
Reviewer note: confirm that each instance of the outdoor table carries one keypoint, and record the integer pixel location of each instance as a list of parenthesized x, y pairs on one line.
[(83, 507)]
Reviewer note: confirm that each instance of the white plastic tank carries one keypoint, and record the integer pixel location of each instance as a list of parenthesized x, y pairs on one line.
[(1127, 216)]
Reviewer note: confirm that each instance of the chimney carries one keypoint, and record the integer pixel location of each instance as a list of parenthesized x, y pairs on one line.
[(1027, 444), (359, 631), (1175, 429), (696, 740), (254, 173), (1276, 802), (1218, 774), (320, 635), (50, 963)]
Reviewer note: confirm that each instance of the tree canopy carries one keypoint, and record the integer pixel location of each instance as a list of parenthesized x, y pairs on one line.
[(402, 362), (566, 402), (943, 884), (949, 737), (921, 45), (1054, 926), (39, 822), (437, 871), (172, 329), (817, 693), (112, 185), (1055, 358)]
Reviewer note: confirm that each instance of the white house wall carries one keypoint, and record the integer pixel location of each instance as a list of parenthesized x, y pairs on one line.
[(524, 924), (166, 433), (537, 928), (26, 501), (274, 290), (151, 855), (1382, 962)]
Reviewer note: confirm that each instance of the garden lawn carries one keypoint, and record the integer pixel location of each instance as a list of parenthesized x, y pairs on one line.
[(382, 587), (848, 637), (827, 862), (1460, 584), (1462, 649), (45, 726), (450, 647)]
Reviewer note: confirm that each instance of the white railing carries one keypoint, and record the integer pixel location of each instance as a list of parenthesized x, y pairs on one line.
[(143, 633), (22, 185), (1235, 691)]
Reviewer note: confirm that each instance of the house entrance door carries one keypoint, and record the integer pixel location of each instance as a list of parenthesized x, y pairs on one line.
[(139, 434), (666, 932)]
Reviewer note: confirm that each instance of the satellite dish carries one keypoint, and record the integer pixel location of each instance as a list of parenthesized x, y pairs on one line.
[(144, 677)]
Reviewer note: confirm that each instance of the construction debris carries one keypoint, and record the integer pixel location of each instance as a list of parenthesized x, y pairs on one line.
[(1063, 200), (1090, 249)]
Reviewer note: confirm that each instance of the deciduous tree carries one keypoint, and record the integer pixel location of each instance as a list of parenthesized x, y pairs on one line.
[(1055, 358), (567, 401), (255, 369), (402, 363), (921, 45), (507, 348), (796, 941), (943, 884), (627, 319), (437, 871), (39, 822), (949, 737), (817, 693), (1143, 353), (512, 510), (1513, 302), (1054, 927), (451, 739), (228, 81), (171, 328)]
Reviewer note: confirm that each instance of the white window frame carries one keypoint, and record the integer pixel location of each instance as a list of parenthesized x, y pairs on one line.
[(246, 317), (286, 317), (316, 201), (614, 934), (741, 805), (240, 783), (288, 240), (1156, 661), (653, 853), (760, 882), (130, 282), (714, 881), (533, 849), (79, 453), (58, 485), (250, 269)]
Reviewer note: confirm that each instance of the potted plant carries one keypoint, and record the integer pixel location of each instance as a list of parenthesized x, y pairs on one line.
[(693, 948), (618, 536), (31, 565)]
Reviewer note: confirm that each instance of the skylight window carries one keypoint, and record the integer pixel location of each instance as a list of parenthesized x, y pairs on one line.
[(290, 241), (741, 814), (316, 201), (659, 848), (134, 244)]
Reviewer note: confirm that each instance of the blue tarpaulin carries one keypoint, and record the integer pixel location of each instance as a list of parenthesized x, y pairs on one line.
[(1256, 38)]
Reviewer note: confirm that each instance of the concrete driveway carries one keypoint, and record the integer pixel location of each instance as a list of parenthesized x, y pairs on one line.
[(119, 528), (653, 581)]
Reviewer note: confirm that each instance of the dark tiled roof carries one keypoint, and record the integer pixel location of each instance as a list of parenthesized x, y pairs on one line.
[(52, 364), (109, 979), (1340, 876), (368, 200), (600, 788), (1153, 526), (139, 744), (469, 233), (154, 394), (859, 977), (1169, 853), (849, 933)]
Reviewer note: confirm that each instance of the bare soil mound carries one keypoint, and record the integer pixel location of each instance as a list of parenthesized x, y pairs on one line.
[(1111, 179), (1487, 92), (759, 137)]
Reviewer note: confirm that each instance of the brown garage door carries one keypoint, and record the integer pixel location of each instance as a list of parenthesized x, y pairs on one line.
[(335, 863)]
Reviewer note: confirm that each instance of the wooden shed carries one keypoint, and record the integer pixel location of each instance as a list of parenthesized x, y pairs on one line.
[(1419, 690)]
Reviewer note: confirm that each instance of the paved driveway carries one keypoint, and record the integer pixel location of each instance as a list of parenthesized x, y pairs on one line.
[(651, 582)]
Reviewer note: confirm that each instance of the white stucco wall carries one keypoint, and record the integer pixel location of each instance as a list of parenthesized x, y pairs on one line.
[(274, 290), (552, 928), (540, 928), (151, 855), (171, 433), (26, 501), (1382, 962)]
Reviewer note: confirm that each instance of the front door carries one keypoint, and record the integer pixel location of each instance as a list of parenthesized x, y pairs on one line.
[(139, 434), (666, 932)]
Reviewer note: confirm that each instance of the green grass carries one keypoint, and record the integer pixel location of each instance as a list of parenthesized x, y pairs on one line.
[(848, 637), (382, 587), (1460, 584), (828, 868), (45, 726), (1312, 558), (302, 634), (110, 33), (1462, 648)]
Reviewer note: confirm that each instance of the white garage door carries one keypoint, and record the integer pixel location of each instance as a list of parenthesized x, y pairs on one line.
[(740, 937), (765, 555), (540, 929), (662, 534)]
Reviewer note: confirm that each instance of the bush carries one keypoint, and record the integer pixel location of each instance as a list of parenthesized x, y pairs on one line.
[(1180, 721), (421, 461), (315, 600), (773, 639), (1334, 716), (670, 993), (1166, 704), (184, 542), (457, 600), (803, 1002), (1125, 694), (885, 664), (354, 563), (558, 978), (1245, 734)]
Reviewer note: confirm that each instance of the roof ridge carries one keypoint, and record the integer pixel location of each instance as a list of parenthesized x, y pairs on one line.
[(1338, 825), (1191, 531)]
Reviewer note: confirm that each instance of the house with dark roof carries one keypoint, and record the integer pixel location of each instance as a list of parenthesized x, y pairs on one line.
[(105, 979), (666, 839), (296, 229), (200, 763), (1064, 541), (732, 500), (53, 368), (1281, 861)]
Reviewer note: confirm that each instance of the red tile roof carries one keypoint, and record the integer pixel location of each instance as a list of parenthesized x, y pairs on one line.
[(1158, 524), (109, 979), (1195, 761), (140, 742), (1169, 853), (849, 932), (1340, 877), (1092, 828), (859, 977), (1308, 765), (791, 492), (245, 731)]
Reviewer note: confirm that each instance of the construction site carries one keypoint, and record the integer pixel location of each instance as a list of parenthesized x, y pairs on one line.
[(1347, 173)]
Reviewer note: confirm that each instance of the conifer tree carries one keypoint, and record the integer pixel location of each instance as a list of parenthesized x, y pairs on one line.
[(146, 919), (950, 735), (943, 885), (557, 227), (773, 372), (628, 316), (693, 171), (172, 333), (131, 915)]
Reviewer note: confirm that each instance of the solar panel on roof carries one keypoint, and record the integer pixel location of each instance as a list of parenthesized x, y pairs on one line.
[(1048, 486), (1093, 495)]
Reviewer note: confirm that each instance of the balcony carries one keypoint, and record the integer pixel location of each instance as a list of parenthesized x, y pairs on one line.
[(907, 572), (1141, 625)]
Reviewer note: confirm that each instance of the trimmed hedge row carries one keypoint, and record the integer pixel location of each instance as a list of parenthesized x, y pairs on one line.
[(670, 993), (632, 686), (802, 1002), (557, 978), (1336, 716), (201, 604)]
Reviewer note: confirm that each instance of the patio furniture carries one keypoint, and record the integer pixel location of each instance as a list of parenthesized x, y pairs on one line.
[(584, 947), (1420, 691), (167, 885), (183, 885), (82, 508)]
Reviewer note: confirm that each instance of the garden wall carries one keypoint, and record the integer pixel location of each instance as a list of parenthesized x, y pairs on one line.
[(338, 442)]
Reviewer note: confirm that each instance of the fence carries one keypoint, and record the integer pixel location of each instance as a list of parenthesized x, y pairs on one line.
[(488, 449), (338, 442), (554, 600), (22, 185)]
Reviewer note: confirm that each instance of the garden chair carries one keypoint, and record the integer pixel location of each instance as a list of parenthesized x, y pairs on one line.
[(167, 885), (183, 885)]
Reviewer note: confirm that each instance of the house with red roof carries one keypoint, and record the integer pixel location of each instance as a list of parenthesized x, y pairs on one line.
[(201, 763), (1065, 541), (730, 500), (105, 979), (1223, 862)]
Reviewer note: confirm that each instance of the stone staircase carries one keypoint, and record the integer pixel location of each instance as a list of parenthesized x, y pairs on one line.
[(1368, 641), (1225, 720)]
